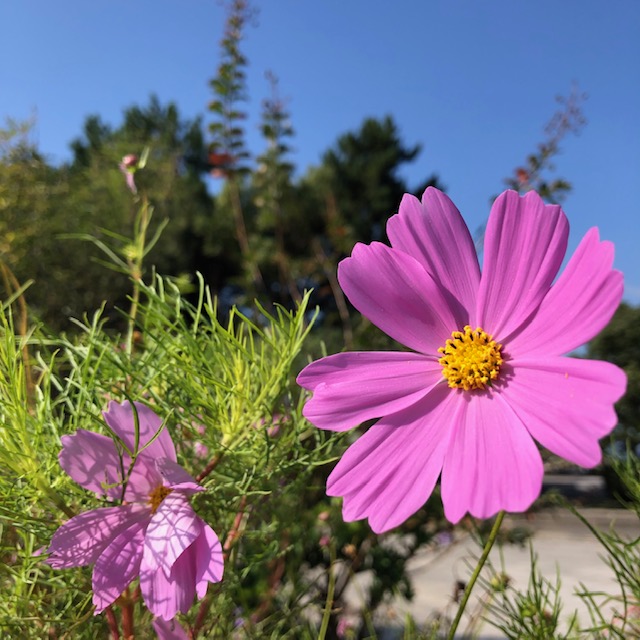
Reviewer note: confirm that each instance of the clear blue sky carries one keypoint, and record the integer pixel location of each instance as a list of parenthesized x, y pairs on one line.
[(474, 82)]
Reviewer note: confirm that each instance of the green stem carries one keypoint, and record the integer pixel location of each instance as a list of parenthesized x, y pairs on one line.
[(476, 573), (135, 269), (326, 616)]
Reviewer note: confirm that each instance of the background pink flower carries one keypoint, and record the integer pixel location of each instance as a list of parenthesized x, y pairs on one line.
[(486, 377), (156, 535), (128, 166)]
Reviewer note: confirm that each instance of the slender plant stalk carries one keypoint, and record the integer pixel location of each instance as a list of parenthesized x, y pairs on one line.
[(126, 606), (211, 465), (12, 286), (112, 623), (135, 269), (476, 573), (234, 534), (326, 616), (329, 269), (243, 237)]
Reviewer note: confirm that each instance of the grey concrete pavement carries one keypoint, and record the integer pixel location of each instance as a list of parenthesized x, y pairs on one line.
[(563, 545)]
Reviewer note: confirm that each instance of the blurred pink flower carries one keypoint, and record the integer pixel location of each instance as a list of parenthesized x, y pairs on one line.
[(487, 378), (344, 626), (128, 167), (272, 424), (155, 534)]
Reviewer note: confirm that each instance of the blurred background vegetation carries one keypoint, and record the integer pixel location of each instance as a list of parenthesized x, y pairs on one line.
[(254, 227)]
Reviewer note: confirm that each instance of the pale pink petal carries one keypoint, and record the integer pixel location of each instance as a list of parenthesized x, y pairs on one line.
[(173, 528), (350, 388), (208, 558), (168, 594), (92, 460), (525, 243), (434, 233), (578, 306), (169, 630), (176, 477), (82, 539), (199, 564), (391, 470), (118, 565), (144, 477), (566, 403), (395, 292), (120, 418), (492, 463)]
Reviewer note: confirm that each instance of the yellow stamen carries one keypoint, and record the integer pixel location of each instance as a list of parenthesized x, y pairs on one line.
[(471, 359), (157, 496)]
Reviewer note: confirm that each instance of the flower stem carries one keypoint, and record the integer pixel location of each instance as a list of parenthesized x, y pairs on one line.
[(112, 623), (476, 573), (328, 607), (134, 262)]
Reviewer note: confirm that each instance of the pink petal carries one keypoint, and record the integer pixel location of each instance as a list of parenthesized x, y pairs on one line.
[(92, 460), (524, 247), (168, 594), (81, 540), (176, 477), (143, 479), (567, 403), (434, 233), (349, 388), (492, 463), (391, 470), (173, 528), (393, 290), (207, 554), (199, 564), (578, 306), (118, 565), (120, 418), (169, 630)]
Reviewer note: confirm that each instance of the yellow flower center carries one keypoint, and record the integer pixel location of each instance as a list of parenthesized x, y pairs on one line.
[(157, 496), (470, 359)]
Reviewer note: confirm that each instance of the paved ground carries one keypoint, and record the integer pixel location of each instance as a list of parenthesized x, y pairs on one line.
[(561, 542)]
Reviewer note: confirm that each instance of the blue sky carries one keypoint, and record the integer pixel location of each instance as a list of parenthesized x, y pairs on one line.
[(473, 82)]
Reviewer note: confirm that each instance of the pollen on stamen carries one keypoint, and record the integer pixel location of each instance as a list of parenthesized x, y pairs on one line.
[(157, 495), (471, 359)]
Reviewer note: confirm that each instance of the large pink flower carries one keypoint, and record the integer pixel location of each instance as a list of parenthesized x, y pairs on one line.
[(155, 535), (486, 379)]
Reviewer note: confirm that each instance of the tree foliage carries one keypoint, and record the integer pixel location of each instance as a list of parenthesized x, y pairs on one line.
[(619, 342)]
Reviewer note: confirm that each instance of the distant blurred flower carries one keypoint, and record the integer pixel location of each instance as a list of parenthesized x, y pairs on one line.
[(488, 378), (201, 450), (522, 175), (272, 424), (130, 161), (155, 534), (220, 164), (128, 166), (344, 626)]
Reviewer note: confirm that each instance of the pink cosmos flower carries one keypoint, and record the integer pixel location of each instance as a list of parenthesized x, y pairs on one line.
[(486, 379), (155, 534)]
